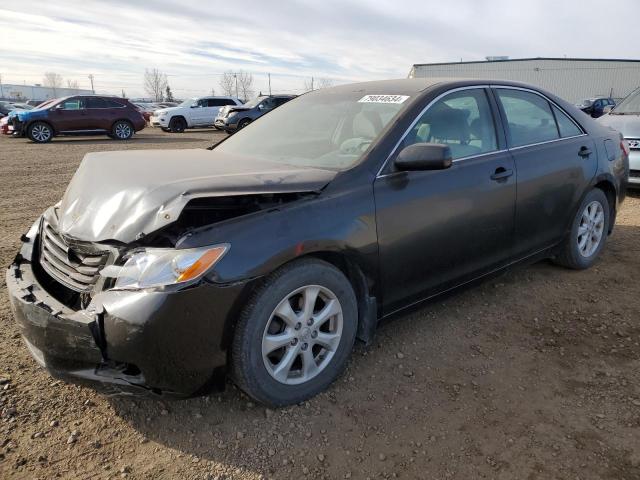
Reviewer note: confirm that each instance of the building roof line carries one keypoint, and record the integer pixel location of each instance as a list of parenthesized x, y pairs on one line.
[(530, 59)]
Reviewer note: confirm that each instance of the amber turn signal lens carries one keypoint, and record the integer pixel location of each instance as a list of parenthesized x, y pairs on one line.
[(206, 261)]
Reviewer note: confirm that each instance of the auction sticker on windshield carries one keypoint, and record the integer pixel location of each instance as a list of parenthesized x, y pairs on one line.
[(383, 99)]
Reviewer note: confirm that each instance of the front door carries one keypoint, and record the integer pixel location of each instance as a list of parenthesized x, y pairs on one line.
[(438, 229), (70, 115), (555, 161)]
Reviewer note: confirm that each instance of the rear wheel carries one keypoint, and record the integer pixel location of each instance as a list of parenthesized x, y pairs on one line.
[(40, 132), (177, 125), (295, 334), (588, 234), (122, 130)]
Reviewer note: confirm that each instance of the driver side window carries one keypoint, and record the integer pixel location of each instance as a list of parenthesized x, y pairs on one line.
[(462, 120), (73, 104)]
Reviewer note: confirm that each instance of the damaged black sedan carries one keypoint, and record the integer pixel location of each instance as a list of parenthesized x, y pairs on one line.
[(264, 258)]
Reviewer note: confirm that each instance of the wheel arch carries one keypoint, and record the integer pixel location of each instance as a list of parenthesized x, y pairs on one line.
[(366, 301), (609, 189), (180, 116), (39, 120), (123, 119)]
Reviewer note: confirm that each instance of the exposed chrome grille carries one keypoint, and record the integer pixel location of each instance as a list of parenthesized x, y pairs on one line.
[(74, 265)]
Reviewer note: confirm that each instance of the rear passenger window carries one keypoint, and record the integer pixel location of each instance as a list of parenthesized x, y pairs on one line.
[(94, 102), (529, 117), (461, 120), (566, 126)]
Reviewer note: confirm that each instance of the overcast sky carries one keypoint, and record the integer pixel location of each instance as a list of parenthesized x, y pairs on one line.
[(343, 40)]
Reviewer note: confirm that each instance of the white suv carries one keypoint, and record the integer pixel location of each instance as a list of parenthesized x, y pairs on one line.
[(193, 112)]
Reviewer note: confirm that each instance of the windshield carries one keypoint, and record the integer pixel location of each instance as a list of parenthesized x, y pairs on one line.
[(328, 129), (188, 102), (629, 105), (254, 102)]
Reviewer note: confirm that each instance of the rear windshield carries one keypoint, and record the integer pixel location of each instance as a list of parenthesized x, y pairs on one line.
[(329, 129), (630, 105)]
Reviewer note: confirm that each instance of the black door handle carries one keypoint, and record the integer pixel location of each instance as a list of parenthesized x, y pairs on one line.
[(501, 173), (585, 152)]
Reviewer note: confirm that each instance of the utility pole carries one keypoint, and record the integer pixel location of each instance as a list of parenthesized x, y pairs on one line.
[(235, 75), (91, 78), (312, 84), (269, 83), (1, 92)]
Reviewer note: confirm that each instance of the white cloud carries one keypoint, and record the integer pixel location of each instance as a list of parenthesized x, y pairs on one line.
[(344, 40)]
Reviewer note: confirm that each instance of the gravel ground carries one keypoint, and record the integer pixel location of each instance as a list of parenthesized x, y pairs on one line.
[(533, 375)]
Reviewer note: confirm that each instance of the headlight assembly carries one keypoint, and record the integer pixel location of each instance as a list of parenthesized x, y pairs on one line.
[(155, 267)]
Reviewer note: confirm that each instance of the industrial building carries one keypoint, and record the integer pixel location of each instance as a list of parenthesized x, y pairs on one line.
[(573, 79), (37, 92)]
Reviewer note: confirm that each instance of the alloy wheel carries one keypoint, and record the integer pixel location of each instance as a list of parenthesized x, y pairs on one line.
[(41, 133), (123, 130), (591, 229), (302, 335)]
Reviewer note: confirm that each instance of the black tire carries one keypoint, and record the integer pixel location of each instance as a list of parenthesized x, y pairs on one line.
[(243, 123), (247, 364), (570, 255), (122, 130), (40, 132), (177, 125)]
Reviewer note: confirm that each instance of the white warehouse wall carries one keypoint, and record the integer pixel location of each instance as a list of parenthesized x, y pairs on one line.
[(571, 79)]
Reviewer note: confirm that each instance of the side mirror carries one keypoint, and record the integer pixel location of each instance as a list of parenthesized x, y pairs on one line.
[(424, 156), (261, 107)]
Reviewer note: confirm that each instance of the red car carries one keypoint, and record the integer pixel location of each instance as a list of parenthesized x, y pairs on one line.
[(4, 126), (79, 115)]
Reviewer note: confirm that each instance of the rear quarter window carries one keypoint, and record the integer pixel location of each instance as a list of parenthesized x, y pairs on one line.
[(566, 126)]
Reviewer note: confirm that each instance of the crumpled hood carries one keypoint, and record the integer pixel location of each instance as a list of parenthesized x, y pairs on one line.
[(120, 195), (627, 125)]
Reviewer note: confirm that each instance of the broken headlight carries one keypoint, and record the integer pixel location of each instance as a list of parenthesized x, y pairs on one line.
[(155, 267)]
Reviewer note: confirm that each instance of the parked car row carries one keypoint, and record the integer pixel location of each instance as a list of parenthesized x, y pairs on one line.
[(6, 107)]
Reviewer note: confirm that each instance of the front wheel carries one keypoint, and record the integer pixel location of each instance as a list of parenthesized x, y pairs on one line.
[(588, 234), (243, 123), (40, 132), (177, 125), (122, 130), (295, 334)]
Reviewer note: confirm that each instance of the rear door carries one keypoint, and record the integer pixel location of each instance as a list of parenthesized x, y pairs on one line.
[(555, 162), (70, 115), (98, 114), (437, 229)]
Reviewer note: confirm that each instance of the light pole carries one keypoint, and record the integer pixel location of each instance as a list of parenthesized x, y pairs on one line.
[(269, 84), (235, 75), (1, 92), (91, 78)]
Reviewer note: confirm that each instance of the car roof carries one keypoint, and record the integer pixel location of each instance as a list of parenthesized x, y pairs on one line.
[(412, 86)]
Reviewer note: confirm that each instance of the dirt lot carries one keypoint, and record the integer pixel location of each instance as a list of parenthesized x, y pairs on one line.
[(533, 375)]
